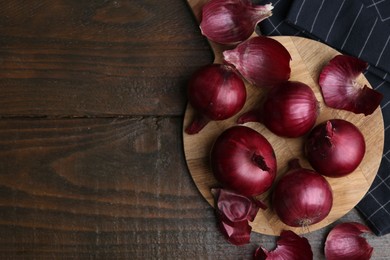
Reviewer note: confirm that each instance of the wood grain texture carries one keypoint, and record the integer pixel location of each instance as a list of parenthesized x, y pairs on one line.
[(91, 153), (89, 58)]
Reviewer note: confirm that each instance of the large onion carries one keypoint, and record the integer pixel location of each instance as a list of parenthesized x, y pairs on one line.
[(335, 148), (261, 60), (302, 197), (232, 21), (290, 109), (244, 161)]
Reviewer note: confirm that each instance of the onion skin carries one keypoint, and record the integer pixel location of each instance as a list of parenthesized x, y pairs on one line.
[(234, 212), (335, 148), (261, 60), (302, 197), (340, 89), (232, 21), (244, 161), (344, 242), (216, 92), (290, 110), (290, 246)]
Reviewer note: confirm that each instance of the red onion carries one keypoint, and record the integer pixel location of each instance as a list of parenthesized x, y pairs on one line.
[(344, 242), (302, 197), (216, 92), (244, 161), (340, 89), (261, 60), (232, 21), (235, 211), (335, 148), (290, 110), (290, 246)]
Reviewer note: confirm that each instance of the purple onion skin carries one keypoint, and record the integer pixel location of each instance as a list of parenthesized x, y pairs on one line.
[(302, 197), (244, 161), (262, 61), (335, 148), (216, 92)]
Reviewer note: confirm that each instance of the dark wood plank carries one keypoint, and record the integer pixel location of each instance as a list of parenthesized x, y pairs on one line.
[(101, 188), (97, 58), (110, 188)]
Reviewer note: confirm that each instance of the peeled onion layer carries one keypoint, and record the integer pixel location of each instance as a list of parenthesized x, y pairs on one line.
[(341, 90), (344, 242), (290, 246), (234, 212), (304, 65)]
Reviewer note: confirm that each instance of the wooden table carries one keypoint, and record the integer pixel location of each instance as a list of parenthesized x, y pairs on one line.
[(91, 154)]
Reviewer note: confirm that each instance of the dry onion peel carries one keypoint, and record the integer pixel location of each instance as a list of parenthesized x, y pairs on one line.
[(234, 212), (344, 242), (340, 89), (290, 246)]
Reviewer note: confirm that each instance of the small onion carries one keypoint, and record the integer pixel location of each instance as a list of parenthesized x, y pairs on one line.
[(302, 197), (232, 21), (341, 90), (290, 246), (244, 161), (216, 92), (290, 110), (261, 60), (344, 242), (335, 148)]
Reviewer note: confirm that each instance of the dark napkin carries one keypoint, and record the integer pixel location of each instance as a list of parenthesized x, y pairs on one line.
[(360, 28)]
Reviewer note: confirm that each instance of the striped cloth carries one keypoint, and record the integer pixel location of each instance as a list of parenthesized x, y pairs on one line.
[(360, 28)]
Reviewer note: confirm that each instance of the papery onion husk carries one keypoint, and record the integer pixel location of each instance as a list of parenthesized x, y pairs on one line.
[(216, 92), (302, 197), (344, 242), (243, 160), (340, 89), (232, 21), (261, 60), (335, 148), (234, 212), (290, 246), (290, 110)]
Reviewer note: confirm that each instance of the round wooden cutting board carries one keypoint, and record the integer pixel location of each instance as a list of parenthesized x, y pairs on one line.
[(308, 59)]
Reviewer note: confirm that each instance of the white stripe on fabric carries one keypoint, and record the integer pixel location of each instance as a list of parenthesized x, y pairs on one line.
[(375, 3), (275, 27), (380, 85), (380, 14), (315, 18), (368, 37), (382, 207), (386, 104), (334, 20), (383, 50), (353, 24), (299, 12)]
